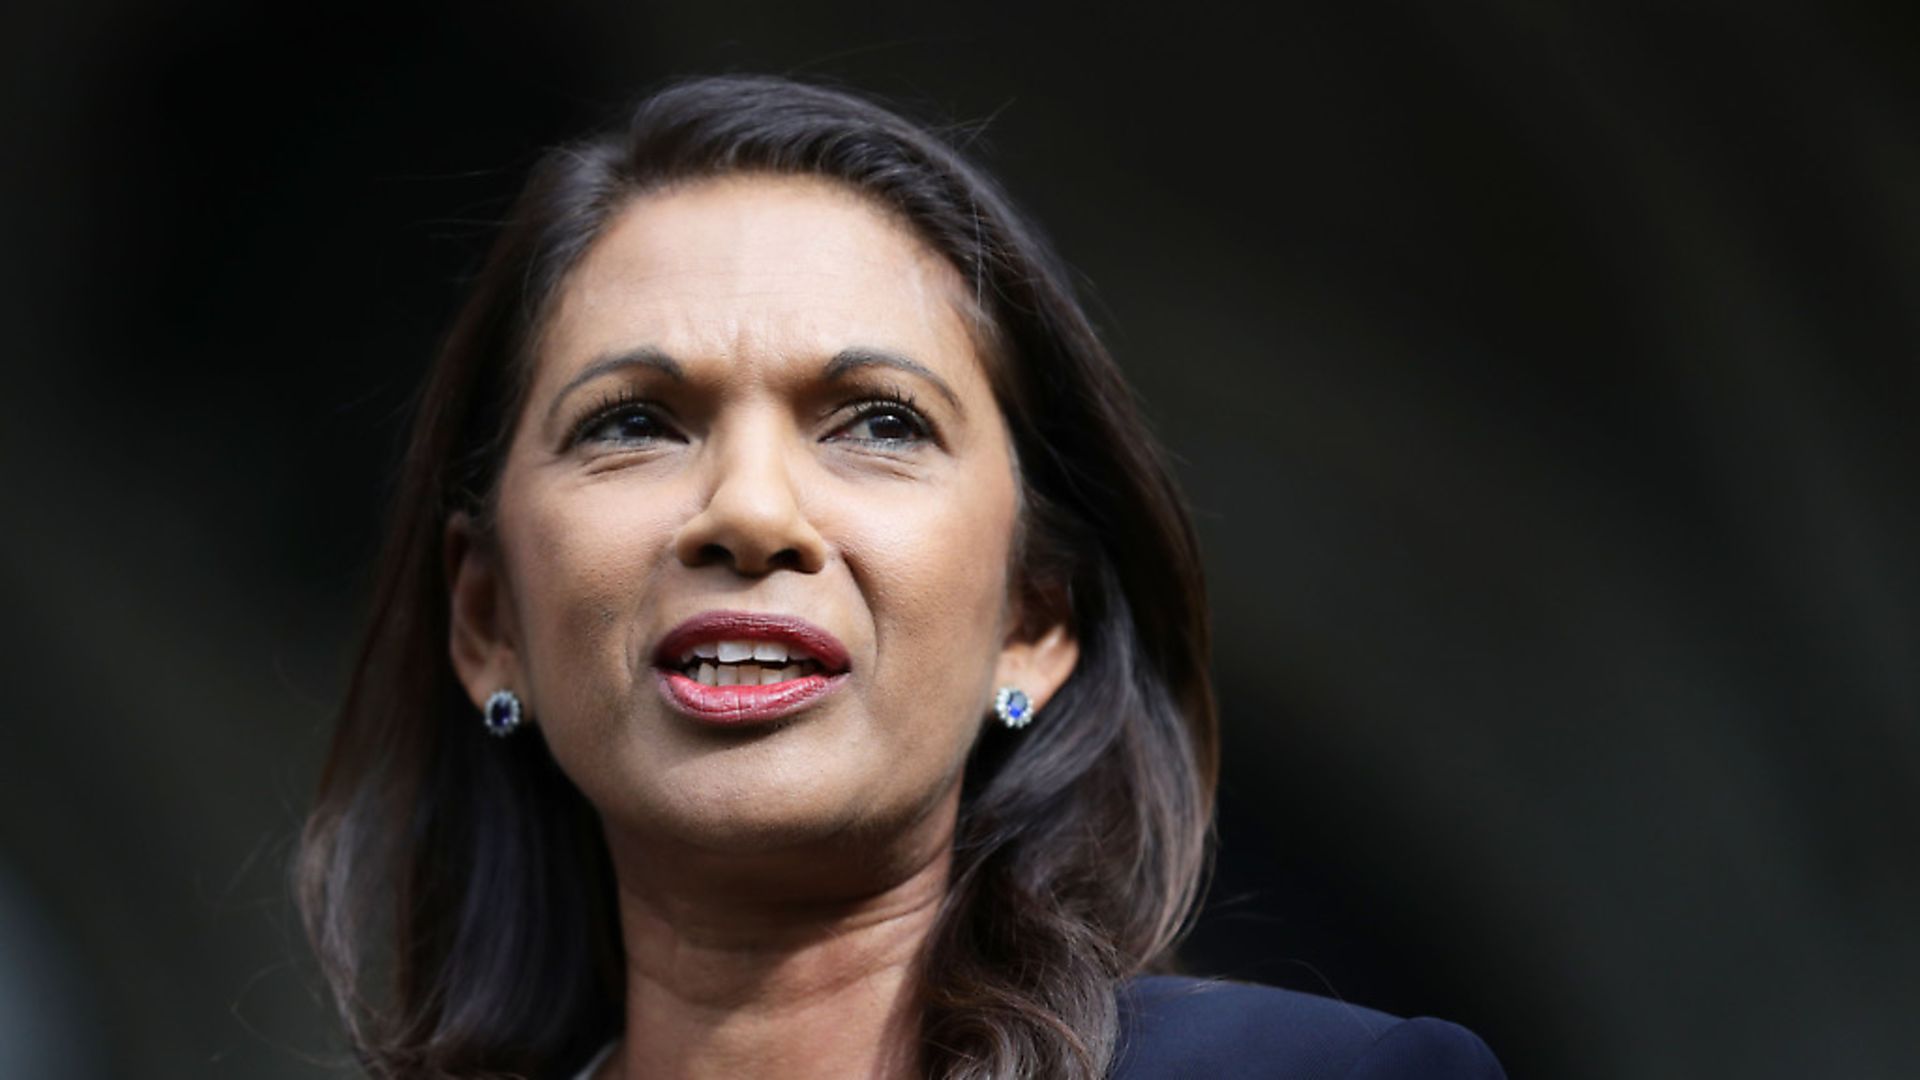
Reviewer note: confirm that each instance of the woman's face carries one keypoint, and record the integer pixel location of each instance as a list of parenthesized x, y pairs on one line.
[(757, 417)]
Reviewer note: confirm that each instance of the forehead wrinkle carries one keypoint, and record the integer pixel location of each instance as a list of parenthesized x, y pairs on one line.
[(642, 282), (752, 342)]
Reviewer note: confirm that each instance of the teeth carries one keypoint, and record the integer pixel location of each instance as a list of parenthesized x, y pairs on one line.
[(748, 673), (708, 651), (733, 652)]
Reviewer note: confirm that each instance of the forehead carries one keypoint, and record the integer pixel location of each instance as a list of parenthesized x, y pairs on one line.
[(760, 269)]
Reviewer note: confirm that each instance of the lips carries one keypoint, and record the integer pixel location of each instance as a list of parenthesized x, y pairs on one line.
[(736, 667)]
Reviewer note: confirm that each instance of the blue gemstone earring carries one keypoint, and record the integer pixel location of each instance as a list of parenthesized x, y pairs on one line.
[(1013, 707), (503, 713)]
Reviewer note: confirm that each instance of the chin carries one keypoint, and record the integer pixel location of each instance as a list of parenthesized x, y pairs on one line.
[(809, 789), (755, 807)]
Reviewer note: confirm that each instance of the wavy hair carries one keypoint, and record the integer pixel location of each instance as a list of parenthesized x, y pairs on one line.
[(458, 890)]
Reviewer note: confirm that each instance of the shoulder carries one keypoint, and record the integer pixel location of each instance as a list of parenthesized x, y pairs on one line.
[(1196, 1027)]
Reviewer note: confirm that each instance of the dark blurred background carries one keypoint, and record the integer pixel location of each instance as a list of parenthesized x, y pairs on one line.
[(1543, 380)]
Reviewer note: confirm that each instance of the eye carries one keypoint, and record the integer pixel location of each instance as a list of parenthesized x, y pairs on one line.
[(623, 422), (887, 423)]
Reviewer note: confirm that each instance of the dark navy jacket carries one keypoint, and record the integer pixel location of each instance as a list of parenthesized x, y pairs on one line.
[(1175, 1027)]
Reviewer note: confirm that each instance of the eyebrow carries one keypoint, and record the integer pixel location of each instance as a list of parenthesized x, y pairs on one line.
[(853, 359), (843, 362)]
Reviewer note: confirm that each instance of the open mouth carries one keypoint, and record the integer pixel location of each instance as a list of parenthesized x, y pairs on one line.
[(736, 667), (746, 663)]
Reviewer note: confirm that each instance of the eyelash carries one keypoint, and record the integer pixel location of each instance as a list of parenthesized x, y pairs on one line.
[(886, 401), (611, 406)]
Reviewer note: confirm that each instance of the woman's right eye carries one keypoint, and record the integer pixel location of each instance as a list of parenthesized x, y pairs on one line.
[(624, 425)]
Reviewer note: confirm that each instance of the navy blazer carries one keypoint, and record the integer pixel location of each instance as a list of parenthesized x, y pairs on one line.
[(1173, 1028), (1177, 1027)]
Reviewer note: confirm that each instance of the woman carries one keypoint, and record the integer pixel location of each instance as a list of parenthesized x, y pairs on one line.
[(775, 505)]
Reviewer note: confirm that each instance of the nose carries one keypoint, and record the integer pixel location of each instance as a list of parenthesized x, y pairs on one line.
[(753, 520)]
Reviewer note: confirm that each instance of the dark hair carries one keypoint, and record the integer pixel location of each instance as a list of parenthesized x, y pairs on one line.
[(457, 889)]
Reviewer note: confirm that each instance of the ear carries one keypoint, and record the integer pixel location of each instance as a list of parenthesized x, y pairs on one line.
[(1039, 652), (481, 637)]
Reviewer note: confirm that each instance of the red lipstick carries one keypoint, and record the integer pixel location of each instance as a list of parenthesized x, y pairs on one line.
[(732, 705)]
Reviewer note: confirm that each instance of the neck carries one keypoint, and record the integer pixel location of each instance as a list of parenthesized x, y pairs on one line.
[(791, 967)]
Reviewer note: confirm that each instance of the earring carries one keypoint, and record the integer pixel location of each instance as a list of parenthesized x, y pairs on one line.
[(1013, 707), (503, 713)]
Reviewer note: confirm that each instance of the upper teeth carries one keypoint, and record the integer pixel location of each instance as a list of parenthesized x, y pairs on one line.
[(734, 652)]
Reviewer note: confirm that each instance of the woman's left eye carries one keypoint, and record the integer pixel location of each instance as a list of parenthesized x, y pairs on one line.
[(885, 423)]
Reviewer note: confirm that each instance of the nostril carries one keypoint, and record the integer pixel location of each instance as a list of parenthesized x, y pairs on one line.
[(784, 559)]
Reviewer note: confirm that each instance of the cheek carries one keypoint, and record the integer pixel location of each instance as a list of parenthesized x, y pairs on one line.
[(581, 560), (943, 572), (935, 577)]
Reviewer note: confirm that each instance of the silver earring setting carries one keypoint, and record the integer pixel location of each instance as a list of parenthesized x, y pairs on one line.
[(503, 713), (1013, 707)]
